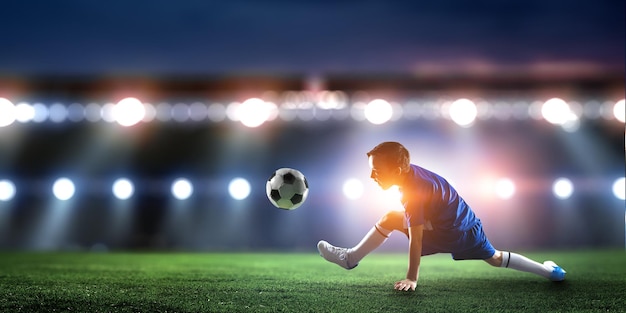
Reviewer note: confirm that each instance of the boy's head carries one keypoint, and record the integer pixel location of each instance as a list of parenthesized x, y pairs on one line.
[(389, 162)]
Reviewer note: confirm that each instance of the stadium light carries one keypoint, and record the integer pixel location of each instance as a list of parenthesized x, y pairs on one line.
[(75, 112), (556, 111), (180, 112), (353, 189), (107, 113), (63, 189), (505, 188), (129, 111), (182, 189), (149, 112), (41, 113), (7, 190), (57, 113), (123, 189), (163, 112), (216, 112), (239, 188), (197, 111), (7, 117), (254, 112), (619, 111), (463, 112), (619, 188), (562, 188), (24, 112), (378, 111), (92, 112)]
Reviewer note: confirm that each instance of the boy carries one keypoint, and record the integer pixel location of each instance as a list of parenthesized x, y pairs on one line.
[(436, 220)]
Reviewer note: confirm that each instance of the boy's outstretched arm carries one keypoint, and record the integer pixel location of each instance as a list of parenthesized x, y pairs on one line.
[(415, 255)]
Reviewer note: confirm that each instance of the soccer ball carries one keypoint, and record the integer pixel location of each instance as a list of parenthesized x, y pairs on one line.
[(287, 188)]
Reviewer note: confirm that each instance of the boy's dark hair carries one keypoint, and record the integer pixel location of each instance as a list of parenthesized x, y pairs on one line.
[(394, 154)]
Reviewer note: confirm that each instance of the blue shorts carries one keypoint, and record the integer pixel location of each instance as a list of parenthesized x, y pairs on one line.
[(468, 245)]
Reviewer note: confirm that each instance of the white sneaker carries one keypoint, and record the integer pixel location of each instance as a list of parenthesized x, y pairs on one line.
[(334, 254), (558, 274)]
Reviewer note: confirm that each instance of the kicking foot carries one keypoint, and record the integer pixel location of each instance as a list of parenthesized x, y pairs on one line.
[(334, 254), (558, 274)]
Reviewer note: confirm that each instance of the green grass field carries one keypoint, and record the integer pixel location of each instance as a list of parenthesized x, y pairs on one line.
[(273, 282)]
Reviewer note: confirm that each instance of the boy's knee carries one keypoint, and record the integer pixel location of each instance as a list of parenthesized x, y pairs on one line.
[(392, 220), (495, 260)]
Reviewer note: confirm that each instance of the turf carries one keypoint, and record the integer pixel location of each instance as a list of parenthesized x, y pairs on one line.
[(291, 282)]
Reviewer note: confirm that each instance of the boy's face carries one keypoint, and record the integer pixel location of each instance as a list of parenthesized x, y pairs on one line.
[(382, 173)]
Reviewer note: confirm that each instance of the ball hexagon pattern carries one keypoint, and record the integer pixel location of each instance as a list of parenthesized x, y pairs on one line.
[(287, 188)]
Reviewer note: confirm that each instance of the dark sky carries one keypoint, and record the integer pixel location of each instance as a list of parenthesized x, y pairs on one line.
[(306, 37)]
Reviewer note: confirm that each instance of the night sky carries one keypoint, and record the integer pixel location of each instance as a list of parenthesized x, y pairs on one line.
[(243, 37)]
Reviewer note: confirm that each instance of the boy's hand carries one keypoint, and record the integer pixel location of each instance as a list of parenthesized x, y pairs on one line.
[(405, 285)]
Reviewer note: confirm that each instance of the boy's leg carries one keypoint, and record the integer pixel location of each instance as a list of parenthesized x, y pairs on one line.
[(519, 262), (350, 258), (389, 222), (483, 249)]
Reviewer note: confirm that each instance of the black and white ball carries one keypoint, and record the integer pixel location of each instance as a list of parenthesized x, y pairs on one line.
[(287, 188)]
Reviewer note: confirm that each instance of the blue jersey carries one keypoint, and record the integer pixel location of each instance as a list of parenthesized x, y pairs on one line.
[(429, 200)]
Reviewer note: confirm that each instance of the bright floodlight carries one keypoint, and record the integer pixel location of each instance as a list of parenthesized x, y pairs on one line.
[(562, 188), (41, 112), (57, 113), (7, 112), (463, 112), (239, 188), (107, 113), (216, 112), (63, 189), (129, 111), (24, 112), (123, 189), (182, 189), (619, 111), (378, 111), (254, 112), (353, 189), (619, 188), (392, 195), (505, 188), (556, 111), (7, 190)]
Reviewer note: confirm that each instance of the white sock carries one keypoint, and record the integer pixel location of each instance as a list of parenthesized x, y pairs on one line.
[(524, 264), (372, 240)]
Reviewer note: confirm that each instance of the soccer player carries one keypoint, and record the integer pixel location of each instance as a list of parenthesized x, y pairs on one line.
[(436, 220)]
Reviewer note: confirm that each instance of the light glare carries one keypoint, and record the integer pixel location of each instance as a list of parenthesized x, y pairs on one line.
[(123, 189), (58, 113), (619, 111), (129, 111), (254, 112), (619, 188), (24, 112), (353, 189), (182, 189), (562, 188), (41, 113), (7, 190), (463, 112), (239, 188), (63, 189), (556, 111), (378, 111), (8, 112), (505, 188)]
